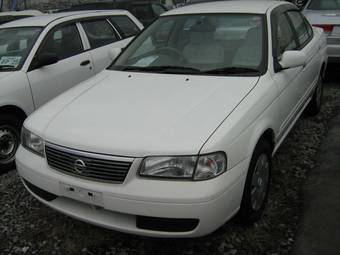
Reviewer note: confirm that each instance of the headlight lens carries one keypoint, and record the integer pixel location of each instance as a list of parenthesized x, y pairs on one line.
[(169, 167), (32, 142), (185, 167)]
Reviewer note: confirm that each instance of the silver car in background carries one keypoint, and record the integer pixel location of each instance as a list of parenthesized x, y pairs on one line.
[(326, 14)]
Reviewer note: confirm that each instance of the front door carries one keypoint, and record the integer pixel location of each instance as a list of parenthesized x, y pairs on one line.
[(289, 81), (74, 65)]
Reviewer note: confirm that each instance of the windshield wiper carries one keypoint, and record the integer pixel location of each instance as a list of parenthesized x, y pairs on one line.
[(162, 69), (232, 70)]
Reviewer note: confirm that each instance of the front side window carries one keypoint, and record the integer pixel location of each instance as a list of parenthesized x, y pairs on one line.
[(63, 41), (324, 5), (299, 26), (99, 33), (285, 37), (15, 46), (125, 25), (222, 44)]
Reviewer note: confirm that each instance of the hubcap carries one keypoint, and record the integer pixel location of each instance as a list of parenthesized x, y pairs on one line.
[(9, 142), (259, 183)]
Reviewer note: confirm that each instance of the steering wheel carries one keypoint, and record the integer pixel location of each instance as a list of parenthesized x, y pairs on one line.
[(171, 52)]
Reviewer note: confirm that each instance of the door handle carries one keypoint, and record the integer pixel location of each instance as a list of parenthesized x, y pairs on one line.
[(85, 63)]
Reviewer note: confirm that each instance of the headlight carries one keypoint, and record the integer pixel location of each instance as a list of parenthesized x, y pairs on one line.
[(169, 167), (32, 142), (210, 166), (185, 167)]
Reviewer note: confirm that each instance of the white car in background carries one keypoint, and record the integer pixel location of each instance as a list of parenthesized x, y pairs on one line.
[(41, 57), (326, 14), (177, 135)]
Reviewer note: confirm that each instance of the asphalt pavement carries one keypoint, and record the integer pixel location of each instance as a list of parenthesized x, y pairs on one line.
[(319, 229)]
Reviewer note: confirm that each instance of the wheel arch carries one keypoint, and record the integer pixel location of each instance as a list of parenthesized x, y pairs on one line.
[(13, 110), (266, 133)]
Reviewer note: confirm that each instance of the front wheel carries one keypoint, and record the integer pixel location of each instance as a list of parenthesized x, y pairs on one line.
[(257, 184), (9, 141)]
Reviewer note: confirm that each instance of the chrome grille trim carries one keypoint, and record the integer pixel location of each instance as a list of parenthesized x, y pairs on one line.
[(99, 167)]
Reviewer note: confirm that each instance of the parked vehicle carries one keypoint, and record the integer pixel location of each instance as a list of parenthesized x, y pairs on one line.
[(41, 57), (177, 136), (326, 14), (11, 16), (146, 11)]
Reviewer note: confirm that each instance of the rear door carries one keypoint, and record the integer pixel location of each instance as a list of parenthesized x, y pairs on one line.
[(73, 67), (102, 38)]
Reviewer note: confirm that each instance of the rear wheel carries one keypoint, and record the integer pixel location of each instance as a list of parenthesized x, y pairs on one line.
[(257, 184), (314, 105), (10, 127)]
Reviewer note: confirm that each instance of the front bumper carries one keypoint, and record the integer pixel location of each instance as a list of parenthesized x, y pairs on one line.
[(122, 206)]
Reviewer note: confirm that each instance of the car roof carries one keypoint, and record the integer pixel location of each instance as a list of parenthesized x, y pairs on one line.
[(44, 20), (240, 6)]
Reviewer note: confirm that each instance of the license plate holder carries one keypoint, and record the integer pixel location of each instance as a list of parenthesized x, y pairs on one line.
[(83, 195)]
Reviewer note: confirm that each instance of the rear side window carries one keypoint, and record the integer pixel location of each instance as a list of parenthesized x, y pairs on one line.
[(285, 36), (300, 27), (64, 41), (99, 32), (125, 25), (309, 28)]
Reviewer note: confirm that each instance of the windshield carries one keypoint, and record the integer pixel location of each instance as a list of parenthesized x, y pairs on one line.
[(15, 45), (324, 5), (223, 44)]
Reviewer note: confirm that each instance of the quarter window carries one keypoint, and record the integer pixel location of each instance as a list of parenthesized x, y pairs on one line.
[(64, 41), (99, 33), (125, 25), (285, 36), (300, 27)]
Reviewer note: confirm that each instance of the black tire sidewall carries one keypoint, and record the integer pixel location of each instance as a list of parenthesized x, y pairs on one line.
[(314, 107), (247, 215), (16, 124)]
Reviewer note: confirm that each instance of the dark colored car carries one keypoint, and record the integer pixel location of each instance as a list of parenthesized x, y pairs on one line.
[(145, 11)]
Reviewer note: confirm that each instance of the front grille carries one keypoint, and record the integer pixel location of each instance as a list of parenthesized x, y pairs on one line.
[(87, 165)]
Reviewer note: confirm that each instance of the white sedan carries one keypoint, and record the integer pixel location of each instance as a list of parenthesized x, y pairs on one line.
[(41, 57), (177, 136)]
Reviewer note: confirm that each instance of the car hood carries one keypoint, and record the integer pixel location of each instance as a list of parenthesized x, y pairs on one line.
[(139, 114), (3, 75)]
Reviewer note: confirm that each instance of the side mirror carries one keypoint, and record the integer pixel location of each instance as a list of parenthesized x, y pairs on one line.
[(114, 52), (293, 58), (46, 59)]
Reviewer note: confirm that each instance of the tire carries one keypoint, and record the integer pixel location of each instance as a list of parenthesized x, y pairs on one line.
[(257, 184), (10, 127), (314, 105)]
